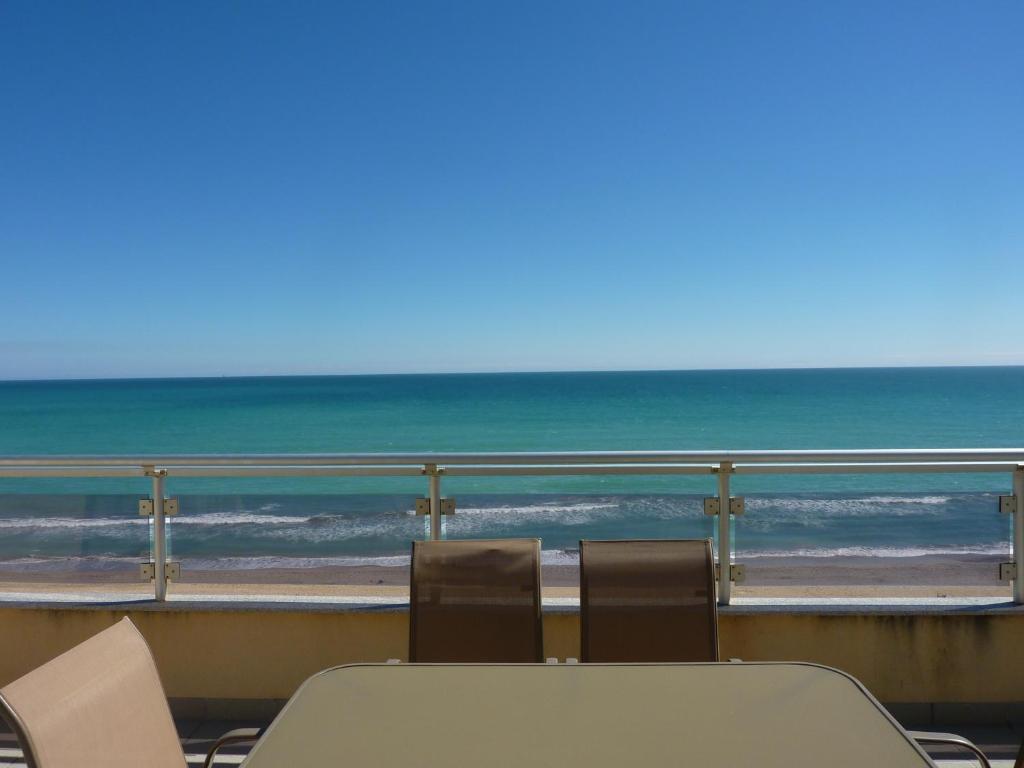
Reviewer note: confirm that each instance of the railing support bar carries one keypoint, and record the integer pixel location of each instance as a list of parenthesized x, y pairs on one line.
[(434, 480), (159, 536), (724, 543), (1018, 534)]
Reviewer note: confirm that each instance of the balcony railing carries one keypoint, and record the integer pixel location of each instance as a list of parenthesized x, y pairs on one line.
[(435, 466)]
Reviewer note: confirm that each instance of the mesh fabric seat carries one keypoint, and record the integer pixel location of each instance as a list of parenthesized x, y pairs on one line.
[(99, 704), (475, 601), (647, 601)]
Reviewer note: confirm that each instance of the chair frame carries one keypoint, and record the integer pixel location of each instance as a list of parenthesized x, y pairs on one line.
[(14, 722), (952, 740)]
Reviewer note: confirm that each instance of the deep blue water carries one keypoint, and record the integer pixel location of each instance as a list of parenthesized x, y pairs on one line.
[(272, 521)]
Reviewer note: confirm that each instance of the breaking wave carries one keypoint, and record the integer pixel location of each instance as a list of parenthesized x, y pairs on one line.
[(363, 529)]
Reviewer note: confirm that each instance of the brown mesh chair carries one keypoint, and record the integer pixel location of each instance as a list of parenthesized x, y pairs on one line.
[(475, 601), (99, 704), (647, 601)]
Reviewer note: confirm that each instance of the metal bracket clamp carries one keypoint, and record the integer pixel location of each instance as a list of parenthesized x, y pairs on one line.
[(737, 572), (146, 507), (423, 506), (172, 571), (1008, 505), (1007, 571), (713, 505)]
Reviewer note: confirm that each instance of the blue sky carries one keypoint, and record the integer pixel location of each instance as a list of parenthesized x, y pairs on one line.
[(194, 188)]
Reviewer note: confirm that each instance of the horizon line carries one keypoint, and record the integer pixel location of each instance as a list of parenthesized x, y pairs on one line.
[(506, 373)]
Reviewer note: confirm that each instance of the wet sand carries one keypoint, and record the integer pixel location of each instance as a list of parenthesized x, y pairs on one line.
[(927, 575)]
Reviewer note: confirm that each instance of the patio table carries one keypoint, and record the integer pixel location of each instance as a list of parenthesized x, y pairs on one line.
[(593, 715)]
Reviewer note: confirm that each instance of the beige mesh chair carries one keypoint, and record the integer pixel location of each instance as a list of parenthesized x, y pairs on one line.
[(647, 601), (475, 601), (99, 704)]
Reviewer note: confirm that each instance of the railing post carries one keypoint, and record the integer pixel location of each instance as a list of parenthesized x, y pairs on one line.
[(434, 480), (724, 538), (1018, 534), (159, 535)]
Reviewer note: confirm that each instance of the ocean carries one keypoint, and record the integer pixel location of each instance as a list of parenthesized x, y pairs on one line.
[(90, 524)]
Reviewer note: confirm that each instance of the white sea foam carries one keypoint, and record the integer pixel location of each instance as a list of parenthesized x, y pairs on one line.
[(888, 506), (98, 563), (831, 519), (568, 514), (342, 529), (559, 557), (212, 518), (250, 563), (997, 548), (69, 522), (537, 509), (548, 557), (928, 500), (473, 519), (237, 518), (200, 563)]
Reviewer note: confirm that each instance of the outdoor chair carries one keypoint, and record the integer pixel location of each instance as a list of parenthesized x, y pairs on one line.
[(647, 601), (99, 704), (475, 601)]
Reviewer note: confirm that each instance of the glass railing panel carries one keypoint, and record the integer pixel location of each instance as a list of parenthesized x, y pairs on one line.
[(239, 536), (886, 534), (73, 543), (943, 536), (608, 507)]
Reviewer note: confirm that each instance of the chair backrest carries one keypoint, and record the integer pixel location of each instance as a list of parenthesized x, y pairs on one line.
[(99, 704), (647, 601), (475, 601)]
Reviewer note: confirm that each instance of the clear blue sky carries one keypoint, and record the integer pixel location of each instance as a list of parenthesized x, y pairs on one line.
[(207, 188)]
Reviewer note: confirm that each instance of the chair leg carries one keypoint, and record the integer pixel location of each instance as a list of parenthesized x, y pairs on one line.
[(951, 739), (237, 736)]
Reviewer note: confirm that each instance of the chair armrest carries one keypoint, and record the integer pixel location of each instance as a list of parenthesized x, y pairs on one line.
[(951, 739), (237, 736)]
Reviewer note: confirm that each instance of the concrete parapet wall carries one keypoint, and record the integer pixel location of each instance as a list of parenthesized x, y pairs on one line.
[(261, 653)]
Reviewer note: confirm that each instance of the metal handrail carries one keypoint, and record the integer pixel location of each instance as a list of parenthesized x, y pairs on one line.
[(541, 458), (524, 463)]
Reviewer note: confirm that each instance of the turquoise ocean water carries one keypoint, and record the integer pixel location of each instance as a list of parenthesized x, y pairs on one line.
[(92, 524)]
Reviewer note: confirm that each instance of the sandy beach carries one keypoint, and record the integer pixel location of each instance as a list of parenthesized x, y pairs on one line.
[(923, 576)]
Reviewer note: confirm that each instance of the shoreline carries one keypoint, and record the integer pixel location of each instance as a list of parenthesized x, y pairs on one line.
[(918, 576)]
